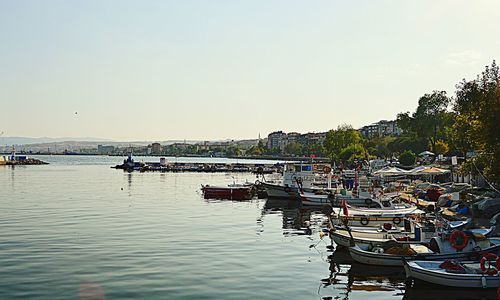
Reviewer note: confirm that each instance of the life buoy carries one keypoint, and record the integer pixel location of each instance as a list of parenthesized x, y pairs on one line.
[(327, 169), (396, 220), (364, 221), (458, 239), (490, 270), (368, 201)]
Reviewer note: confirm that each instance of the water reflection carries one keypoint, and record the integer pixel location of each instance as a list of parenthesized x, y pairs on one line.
[(348, 276), (296, 219)]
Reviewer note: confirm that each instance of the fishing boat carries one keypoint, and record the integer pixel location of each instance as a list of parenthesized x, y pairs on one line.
[(455, 274), (299, 177), (412, 232), (373, 216), (392, 253), (229, 192)]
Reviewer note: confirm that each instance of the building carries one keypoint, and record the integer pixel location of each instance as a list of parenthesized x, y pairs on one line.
[(275, 138), (155, 148), (381, 128), (102, 149)]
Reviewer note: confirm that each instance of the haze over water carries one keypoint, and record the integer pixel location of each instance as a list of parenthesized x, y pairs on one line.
[(76, 225)]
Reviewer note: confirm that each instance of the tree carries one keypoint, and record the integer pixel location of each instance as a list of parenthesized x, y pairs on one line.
[(441, 147), (293, 148), (477, 106), (407, 158), (353, 152), (336, 140), (430, 120)]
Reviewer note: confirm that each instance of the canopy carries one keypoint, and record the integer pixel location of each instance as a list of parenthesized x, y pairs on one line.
[(426, 153), (388, 171), (422, 170)]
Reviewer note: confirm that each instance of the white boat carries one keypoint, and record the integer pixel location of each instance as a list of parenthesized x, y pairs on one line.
[(304, 176), (380, 256), (471, 275), (372, 217), (378, 235)]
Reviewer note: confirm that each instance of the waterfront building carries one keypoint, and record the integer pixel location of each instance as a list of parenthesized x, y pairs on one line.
[(155, 148), (381, 128), (102, 149), (274, 139)]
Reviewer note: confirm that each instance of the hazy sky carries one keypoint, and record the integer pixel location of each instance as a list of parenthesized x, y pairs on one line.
[(157, 70)]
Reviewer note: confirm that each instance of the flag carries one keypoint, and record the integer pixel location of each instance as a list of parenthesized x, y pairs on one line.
[(344, 208)]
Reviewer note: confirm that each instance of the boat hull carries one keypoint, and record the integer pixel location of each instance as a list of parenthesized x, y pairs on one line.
[(278, 191), (227, 193), (428, 272), (383, 259)]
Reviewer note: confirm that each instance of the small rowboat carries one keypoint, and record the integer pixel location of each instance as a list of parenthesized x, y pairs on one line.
[(469, 274), (230, 192)]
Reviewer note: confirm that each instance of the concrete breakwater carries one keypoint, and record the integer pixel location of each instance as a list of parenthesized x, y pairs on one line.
[(200, 167), (22, 162)]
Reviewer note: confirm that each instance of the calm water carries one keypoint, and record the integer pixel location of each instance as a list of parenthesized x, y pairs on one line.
[(76, 227)]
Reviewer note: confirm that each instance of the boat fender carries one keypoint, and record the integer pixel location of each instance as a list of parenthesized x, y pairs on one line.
[(490, 270), (458, 239), (368, 201), (257, 182), (378, 250), (396, 220), (483, 282), (364, 221)]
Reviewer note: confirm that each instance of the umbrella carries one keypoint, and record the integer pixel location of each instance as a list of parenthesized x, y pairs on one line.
[(433, 171), (388, 171), (426, 153)]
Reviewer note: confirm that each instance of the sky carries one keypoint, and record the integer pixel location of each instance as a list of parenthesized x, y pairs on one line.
[(209, 70)]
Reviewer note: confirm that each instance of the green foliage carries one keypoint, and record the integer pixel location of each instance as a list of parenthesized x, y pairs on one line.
[(379, 146), (441, 147), (339, 139), (353, 152), (293, 149), (477, 106), (430, 120), (255, 150), (408, 141), (407, 158), (316, 149)]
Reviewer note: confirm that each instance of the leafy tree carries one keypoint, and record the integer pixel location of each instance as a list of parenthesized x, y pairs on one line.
[(477, 106), (407, 158), (408, 141), (353, 152), (316, 149), (441, 147), (379, 146), (337, 140), (430, 120), (254, 150), (293, 148)]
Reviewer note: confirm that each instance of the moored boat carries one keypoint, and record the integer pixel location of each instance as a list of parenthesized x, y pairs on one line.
[(230, 192), (452, 274), (392, 253)]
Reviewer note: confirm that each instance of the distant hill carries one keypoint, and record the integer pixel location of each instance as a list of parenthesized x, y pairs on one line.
[(18, 140)]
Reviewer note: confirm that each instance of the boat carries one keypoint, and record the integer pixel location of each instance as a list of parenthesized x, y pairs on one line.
[(452, 274), (372, 216), (229, 192), (300, 177), (412, 231), (392, 253)]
